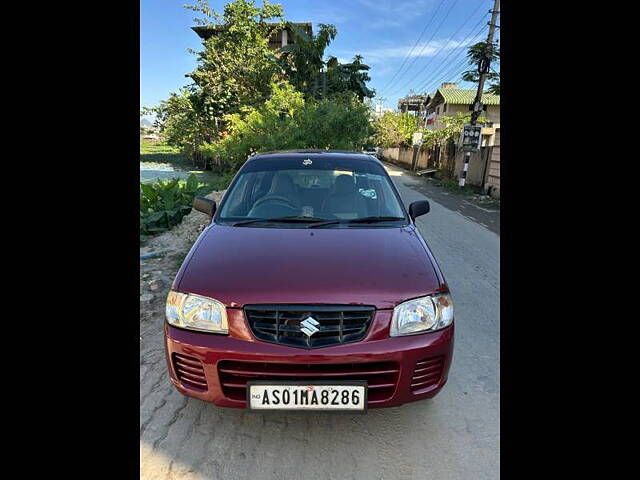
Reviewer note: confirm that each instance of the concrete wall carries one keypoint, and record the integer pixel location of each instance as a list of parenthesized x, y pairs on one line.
[(479, 173), (390, 154), (493, 174), (404, 157), (476, 169)]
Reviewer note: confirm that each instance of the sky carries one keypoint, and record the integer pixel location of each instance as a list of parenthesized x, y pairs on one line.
[(410, 45)]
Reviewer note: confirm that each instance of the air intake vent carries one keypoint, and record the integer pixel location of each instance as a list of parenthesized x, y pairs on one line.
[(190, 372), (380, 376), (427, 373), (328, 325)]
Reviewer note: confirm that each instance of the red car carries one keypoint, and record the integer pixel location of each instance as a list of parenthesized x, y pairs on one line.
[(311, 289)]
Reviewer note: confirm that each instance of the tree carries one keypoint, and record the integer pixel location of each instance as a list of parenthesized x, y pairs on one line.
[(304, 66), (223, 113), (288, 121), (395, 129), (349, 77), (234, 68), (481, 55), (302, 60), (184, 121)]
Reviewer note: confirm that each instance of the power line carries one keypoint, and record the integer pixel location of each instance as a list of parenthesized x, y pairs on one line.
[(440, 50), (444, 67), (430, 39), (447, 76), (414, 46), (461, 53), (458, 52)]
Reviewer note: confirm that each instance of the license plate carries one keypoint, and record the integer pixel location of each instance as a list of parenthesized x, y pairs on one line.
[(317, 396)]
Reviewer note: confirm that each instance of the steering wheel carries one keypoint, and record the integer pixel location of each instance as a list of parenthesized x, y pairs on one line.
[(277, 199)]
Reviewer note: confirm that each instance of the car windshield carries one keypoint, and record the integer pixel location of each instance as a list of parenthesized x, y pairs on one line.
[(298, 192)]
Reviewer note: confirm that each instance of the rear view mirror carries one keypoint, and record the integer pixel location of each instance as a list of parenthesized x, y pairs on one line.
[(205, 205), (419, 208)]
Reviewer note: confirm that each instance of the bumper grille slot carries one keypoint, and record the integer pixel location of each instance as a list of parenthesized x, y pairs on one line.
[(283, 324), (427, 373), (381, 376), (190, 372)]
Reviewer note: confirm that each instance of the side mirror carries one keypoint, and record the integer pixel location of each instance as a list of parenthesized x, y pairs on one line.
[(418, 208), (205, 205)]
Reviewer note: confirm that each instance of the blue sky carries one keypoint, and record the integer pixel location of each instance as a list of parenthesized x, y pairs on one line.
[(385, 32)]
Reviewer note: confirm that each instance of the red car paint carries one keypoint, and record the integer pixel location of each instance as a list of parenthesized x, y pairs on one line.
[(381, 267)]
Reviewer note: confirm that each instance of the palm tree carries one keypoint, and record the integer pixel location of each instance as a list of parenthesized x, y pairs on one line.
[(482, 55)]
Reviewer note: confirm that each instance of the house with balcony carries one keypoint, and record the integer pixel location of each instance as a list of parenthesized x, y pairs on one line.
[(414, 104), (484, 166), (449, 100), (280, 37)]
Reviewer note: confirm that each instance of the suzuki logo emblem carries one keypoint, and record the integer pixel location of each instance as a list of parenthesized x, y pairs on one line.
[(309, 326)]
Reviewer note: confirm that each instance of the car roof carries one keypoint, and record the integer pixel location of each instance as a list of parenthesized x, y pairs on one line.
[(337, 154)]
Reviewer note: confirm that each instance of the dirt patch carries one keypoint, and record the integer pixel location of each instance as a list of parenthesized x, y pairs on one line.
[(165, 254)]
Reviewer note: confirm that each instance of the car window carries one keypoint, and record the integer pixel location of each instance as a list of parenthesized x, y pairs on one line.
[(321, 193)]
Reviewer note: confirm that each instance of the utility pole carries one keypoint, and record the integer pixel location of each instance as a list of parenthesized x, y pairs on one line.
[(483, 69), (324, 82)]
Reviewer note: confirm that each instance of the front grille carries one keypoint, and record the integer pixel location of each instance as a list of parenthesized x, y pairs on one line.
[(381, 376), (335, 324), (190, 372), (427, 373)]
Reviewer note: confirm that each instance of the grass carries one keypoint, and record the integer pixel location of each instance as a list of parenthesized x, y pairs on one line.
[(452, 185), (161, 153), (472, 191)]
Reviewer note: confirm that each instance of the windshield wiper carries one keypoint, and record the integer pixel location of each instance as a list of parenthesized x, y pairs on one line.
[(356, 220), (374, 219), (291, 219)]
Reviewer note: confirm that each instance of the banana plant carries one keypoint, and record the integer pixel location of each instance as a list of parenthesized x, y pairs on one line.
[(164, 204)]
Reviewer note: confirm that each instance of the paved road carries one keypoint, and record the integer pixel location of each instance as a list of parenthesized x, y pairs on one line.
[(456, 435), (486, 214)]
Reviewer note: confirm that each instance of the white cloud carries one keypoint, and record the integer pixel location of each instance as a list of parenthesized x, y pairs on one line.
[(425, 49)]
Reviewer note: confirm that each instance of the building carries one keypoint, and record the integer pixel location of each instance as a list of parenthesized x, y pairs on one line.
[(449, 100), (279, 38), (484, 165), (414, 104)]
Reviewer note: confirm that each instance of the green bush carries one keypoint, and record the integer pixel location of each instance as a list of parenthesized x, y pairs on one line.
[(164, 203), (396, 129), (288, 121)]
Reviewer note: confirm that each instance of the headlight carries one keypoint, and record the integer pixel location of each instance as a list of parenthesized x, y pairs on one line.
[(196, 313), (420, 315)]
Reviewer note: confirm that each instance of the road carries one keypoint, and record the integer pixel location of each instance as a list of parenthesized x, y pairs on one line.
[(455, 435)]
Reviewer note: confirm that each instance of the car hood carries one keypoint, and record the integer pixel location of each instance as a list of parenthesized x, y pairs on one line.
[(366, 266)]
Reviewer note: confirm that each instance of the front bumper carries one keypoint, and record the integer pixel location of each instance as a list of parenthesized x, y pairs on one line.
[(391, 362)]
